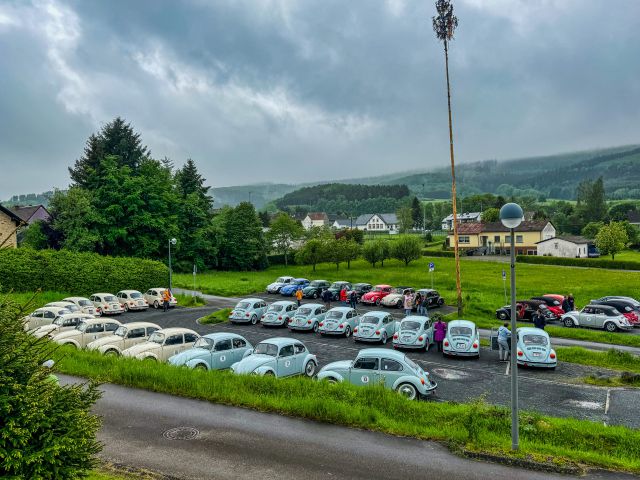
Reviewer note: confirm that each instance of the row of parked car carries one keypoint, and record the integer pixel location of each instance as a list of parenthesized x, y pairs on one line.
[(611, 313), (366, 293), (414, 332)]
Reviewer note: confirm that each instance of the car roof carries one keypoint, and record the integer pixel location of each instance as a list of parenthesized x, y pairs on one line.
[(376, 313), (103, 293), (312, 305), (416, 318), (140, 325), (341, 281), (72, 299), (101, 320), (129, 291), (251, 299), (342, 309), (427, 290), (61, 303), (301, 279), (50, 309), (280, 341), (284, 276), (283, 302), (157, 288), (320, 280), (384, 285), (533, 331), (400, 286), (77, 314), (381, 352), (462, 323), (360, 284), (599, 305), (222, 336), (172, 330)]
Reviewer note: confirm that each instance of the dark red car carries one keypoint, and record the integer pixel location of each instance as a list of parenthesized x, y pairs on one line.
[(376, 294), (553, 303)]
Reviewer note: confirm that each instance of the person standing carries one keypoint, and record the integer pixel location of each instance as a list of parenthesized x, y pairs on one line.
[(418, 303), (299, 296), (572, 303), (326, 296), (439, 333), (538, 319), (408, 303), (425, 306), (343, 295), (504, 335), (565, 304), (353, 299), (166, 298)]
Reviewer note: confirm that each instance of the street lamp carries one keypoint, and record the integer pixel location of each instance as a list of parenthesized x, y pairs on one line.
[(511, 216), (172, 241)]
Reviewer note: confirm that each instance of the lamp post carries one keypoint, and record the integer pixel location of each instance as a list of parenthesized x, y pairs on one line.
[(511, 216), (172, 241)]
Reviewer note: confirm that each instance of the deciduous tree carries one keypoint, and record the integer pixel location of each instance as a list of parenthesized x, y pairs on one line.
[(282, 234), (407, 248), (611, 239)]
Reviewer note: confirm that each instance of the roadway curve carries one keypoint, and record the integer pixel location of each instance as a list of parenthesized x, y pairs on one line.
[(235, 443)]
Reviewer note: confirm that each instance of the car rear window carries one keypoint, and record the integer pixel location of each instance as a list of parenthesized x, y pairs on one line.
[(370, 319), (109, 298), (410, 325), (275, 308), (466, 331), (540, 340), (336, 314), (304, 311)]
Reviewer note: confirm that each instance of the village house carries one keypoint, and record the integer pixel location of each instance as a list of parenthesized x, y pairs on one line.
[(494, 238), (377, 222), (31, 213), (9, 225), (472, 217), (565, 246), (315, 219)]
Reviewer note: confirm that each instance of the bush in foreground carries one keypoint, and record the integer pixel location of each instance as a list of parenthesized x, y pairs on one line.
[(46, 431)]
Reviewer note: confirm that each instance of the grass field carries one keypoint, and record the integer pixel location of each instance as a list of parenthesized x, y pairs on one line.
[(612, 359), (219, 316), (482, 285), (476, 426)]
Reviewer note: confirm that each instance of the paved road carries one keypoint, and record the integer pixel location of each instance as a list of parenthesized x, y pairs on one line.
[(233, 443), (549, 392)]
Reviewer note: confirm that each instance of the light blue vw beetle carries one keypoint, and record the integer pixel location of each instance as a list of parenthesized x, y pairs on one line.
[(279, 313), (215, 351), (415, 332), (375, 327), (534, 348), (279, 357), (389, 368), (308, 317), (462, 339), (248, 310), (339, 321)]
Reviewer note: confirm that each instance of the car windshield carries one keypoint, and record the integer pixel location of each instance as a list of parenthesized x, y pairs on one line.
[(303, 311), (465, 331), (72, 307), (399, 290), (85, 303), (535, 340), (59, 321), (82, 326), (612, 313), (337, 285), (281, 280), (335, 314), (275, 308), (157, 337), (376, 289), (136, 295), (266, 349), (370, 319), (243, 305), (410, 325), (109, 298), (121, 332), (203, 342), (298, 282), (316, 284)]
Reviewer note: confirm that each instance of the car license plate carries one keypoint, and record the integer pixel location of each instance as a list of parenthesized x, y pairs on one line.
[(536, 354), (460, 345)]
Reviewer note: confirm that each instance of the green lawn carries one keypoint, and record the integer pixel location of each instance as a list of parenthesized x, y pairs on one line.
[(475, 426), (482, 285), (218, 316)]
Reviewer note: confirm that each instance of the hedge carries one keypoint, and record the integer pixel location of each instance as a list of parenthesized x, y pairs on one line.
[(580, 262), (27, 270), (438, 253)]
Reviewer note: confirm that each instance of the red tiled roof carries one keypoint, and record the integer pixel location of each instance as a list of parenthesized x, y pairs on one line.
[(469, 228), (318, 216), (476, 228)]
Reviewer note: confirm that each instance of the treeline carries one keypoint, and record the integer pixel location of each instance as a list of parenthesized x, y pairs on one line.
[(123, 202)]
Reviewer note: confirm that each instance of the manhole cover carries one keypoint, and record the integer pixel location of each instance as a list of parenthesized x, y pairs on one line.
[(449, 374), (181, 433)]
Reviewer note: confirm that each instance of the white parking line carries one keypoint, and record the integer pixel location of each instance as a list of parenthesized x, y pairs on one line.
[(506, 372), (606, 404)]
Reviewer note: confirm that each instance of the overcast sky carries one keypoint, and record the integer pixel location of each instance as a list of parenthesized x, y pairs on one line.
[(286, 91)]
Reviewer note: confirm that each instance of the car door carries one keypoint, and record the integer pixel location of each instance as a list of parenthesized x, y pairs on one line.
[(134, 336), (91, 333), (240, 347), (300, 353), (390, 371), (598, 318), (173, 345), (428, 330), (585, 318), (389, 325), (350, 318), (364, 371), (286, 362), (320, 313), (222, 355)]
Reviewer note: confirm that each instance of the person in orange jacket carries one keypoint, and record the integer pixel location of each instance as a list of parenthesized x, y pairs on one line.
[(166, 298), (299, 296)]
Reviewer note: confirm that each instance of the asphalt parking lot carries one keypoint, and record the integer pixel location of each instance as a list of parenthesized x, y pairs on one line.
[(549, 392)]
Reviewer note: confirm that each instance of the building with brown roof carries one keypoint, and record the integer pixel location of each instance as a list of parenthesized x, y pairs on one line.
[(31, 213), (316, 219), (9, 225), (494, 238)]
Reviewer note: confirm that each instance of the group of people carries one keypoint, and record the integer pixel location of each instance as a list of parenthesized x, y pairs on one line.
[(417, 301)]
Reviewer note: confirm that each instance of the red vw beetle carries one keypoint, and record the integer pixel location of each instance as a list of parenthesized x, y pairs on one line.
[(376, 294)]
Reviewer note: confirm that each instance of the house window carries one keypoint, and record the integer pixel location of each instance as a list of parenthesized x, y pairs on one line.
[(507, 239), (556, 245), (519, 239), (464, 239), (496, 239)]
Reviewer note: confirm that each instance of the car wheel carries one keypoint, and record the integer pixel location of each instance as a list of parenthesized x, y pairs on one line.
[(315, 294), (111, 353), (150, 359), (310, 368), (610, 327), (331, 380), (269, 373), (568, 322), (156, 305), (502, 316), (315, 327), (347, 332), (201, 366), (126, 307), (408, 391), (426, 346), (440, 302), (377, 302), (254, 319), (384, 338)]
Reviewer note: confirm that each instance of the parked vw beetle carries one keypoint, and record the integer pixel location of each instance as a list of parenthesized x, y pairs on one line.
[(132, 300), (433, 297), (62, 323), (534, 348), (360, 289), (597, 316), (315, 288), (124, 337), (106, 303), (396, 297), (339, 321), (72, 307), (215, 351), (87, 331), (278, 284), (163, 344), (414, 332), (375, 366), (86, 305), (376, 294), (462, 339), (248, 310), (153, 296), (279, 357), (307, 317), (43, 316), (293, 286), (375, 327), (279, 313), (336, 288)]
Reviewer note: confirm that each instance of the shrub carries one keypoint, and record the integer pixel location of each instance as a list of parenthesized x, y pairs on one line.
[(46, 431), (407, 249), (579, 262), (437, 253), (24, 270)]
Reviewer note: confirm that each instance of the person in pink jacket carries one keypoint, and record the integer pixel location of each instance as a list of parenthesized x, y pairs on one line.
[(439, 332)]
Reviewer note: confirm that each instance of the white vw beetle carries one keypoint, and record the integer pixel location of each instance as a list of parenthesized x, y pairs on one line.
[(106, 303), (124, 337), (86, 305), (462, 339), (72, 307), (87, 331), (132, 300), (162, 344), (43, 316), (278, 284), (63, 323)]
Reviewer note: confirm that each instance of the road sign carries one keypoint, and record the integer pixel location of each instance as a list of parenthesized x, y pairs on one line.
[(432, 266), (504, 275)]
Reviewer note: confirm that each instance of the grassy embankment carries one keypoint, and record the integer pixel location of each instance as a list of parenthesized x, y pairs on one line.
[(483, 290), (475, 427), (190, 301), (218, 316)]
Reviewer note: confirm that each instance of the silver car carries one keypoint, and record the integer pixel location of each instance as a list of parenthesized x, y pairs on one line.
[(597, 316)]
